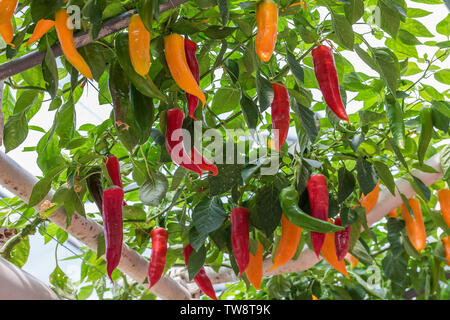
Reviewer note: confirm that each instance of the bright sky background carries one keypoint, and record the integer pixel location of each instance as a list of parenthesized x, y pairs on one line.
[(41, 261)]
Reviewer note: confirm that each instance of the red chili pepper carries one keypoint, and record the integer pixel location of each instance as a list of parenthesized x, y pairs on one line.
[(203, 163), (280, 113), (201, 278), (113, 222), (326, 75), (341, 240), (113, 167), (240, 237), (190, 47), (174, 145), (159, 250), (318, 202)]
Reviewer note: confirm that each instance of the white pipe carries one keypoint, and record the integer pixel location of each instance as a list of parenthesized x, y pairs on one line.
[(20, 182), (16, 284)]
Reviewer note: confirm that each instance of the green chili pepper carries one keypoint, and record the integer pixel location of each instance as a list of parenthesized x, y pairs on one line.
[(426, 132), (289, 204)]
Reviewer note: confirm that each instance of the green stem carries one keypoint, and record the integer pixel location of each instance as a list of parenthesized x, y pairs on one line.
[(5, 251)]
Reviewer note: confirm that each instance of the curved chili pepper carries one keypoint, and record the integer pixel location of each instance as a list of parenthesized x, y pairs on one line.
[(327, 78), (201, 278), (240, 236), (139, 45), (328, 252), (318, 203), (254, 269), (179, 69), (113, 167), (280, 113), (65, 37), (203, 163), (42, 27), (190, 47), (113, 222), (290, 237), (7, 32), (159, 251), (267, 23), (444, 202), (341, 240), (369, 201), (351, 259), (415, 227), (289, 204), (393, 213), (175, 146), (446, 243)]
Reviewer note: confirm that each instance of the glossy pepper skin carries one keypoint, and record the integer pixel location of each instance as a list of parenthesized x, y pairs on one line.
[(341, 240), (289, 204), (240, 236), (203, 163), (179, 69), (190, 48), (139, 45), (280, 113), (254, 269), (267, 24), (415, 228), (318, 203), (159, 251), (113, 223), (113, 167), (175, 146), (65, 37), (327, 78), (201, 278), (444, 202), (290, 237), (7, 33), (446, 243), (7, 8), (328, 252), (369, 201), (393, 213), (42, 27)]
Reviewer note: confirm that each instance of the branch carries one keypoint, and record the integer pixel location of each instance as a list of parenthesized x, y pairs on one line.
[(5, 251), (81, 39)]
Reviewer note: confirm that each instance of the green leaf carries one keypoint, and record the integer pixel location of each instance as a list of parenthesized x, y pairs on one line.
[(93, 11), (360, 252), (196, 261), (101, 245), (423, 190), (44, 9), (443, 27), (398, 152), (224, 11), (389, 17), (426, 132), (40, 190), (133, 213), (308, 120), (346, 184), (145, 11), (65, 123), (143, 113), (444, 161), (295, 67), (441, 106), (386, 176), (343, 29), (354, 10), (208, 215), (225, 100), (15, 131), (388, 66), (265, 92), (229, 176), (250, 111), (50, 71), (443, 76), (416, 28), (219, 32), (153, 191), (395, 118), (366, 174), (20, 253)]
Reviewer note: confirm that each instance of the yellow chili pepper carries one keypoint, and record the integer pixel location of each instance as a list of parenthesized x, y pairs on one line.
[(415, 228), (139, 45), (267, 23), (42, 27), (179, 68), (254, 270), (65, 36), (444, 202)]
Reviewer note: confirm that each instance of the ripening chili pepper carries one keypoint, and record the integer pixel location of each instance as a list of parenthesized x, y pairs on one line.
[(179, 69), (203, 163), (325, 71), (7, 33), (290, 237), (415, 228), (113, 223), (393, 213), (159, 251), (240, 236), (174, 145), (280, 113), (65, 37), (341, 240), (328, 252), (444, 202), (95, 187), (351, 259), (289, 204), (190, 47), (113, 167), (267, 24), (318, 203), (139, 45), (254, 269), (446, 243), (201, 278), (42, 27), (369, 201)]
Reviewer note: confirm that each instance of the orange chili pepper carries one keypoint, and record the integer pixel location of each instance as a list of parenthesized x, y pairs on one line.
[(42, 27), (179, 68), (65, 36), (254, 270), (139, 45), (351, 259), (7, 8), (328, 252), (267, 23), (444, 202), (7, 32), (299, 3), (369, 201), (290, 237), (314, 297), (415, 228), (393, 213), (446, 243)]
